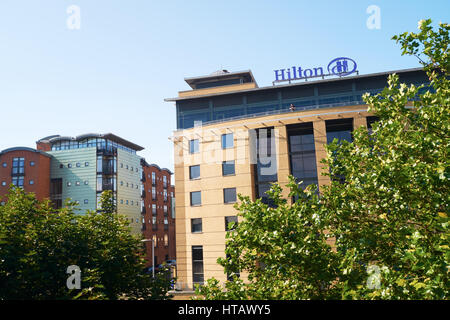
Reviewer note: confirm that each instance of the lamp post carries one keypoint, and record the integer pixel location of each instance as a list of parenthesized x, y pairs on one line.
[(153, 255)]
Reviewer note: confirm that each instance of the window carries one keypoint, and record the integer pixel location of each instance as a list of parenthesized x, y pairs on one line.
[(69, 165), (32, 163), (340, 129), (165, 209), (197, 265), (69, 183), (194, 172), (228, 168), (86, 164), (229, 195), (266, 166), (164, 181), (18, 167), (31, 182), (61, 166), (17, 181), (370, 121), (86, 201), (86, 182), (166, 224), (196, 225), (154, 209), (196, 198), (228, 221), (227, 141), (166, 242), (165, 195), (4, 164), (153, 193), (78, 165), (302, 154), (77, 183), (153, 178), (194, 146), (3, 183)]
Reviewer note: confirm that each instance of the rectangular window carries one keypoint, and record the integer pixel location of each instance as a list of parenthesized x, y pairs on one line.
[(302, 153), (154, 209), (194, 146), (197, 265), (370, 121), (164, 181), (17, 181), (153, 178), (196, 198), (227, 141), (153, 193), (340, 129), (18, 167), (228, 168), (229, 195), (266, 166), (231, 223), (196, 225), (194, 172)]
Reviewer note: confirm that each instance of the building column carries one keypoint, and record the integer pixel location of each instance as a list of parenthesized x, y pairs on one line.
[(358, 121), (320, 140), (283, 167)]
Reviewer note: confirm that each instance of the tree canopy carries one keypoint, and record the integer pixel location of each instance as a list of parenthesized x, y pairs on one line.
[(39, 243)]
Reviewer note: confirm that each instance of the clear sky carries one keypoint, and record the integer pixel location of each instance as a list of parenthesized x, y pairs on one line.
[(113, 73)]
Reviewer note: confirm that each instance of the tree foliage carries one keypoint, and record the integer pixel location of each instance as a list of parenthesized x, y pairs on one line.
[(387, 216), (38, 243)]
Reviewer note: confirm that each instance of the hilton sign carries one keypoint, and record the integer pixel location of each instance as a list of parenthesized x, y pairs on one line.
[(337, 67)]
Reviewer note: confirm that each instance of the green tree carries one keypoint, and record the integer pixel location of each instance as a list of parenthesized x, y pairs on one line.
[(392, 210), (388, 214), (283, 250), (38, 243)]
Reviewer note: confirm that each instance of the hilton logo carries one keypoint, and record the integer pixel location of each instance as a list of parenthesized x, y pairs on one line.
[(337, 67)]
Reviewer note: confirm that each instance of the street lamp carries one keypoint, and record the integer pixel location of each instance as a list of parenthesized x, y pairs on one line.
[(153, 255)]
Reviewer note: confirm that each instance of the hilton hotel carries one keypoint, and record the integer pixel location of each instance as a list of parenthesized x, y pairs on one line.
[(234, 137)]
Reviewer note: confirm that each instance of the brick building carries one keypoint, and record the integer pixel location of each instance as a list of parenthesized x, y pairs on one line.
[(158, 215), (27, 168)]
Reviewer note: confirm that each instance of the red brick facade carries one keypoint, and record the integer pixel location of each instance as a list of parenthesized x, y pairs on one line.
[(35, 171), (158, 223)]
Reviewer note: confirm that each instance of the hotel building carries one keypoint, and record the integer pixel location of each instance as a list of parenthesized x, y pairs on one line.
[(234, 137)]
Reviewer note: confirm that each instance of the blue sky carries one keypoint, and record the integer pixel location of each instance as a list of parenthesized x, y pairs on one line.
[(113, 73)]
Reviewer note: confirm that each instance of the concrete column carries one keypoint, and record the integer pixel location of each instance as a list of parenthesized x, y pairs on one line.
[(283, 168), (359, 120), (320, 140)]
